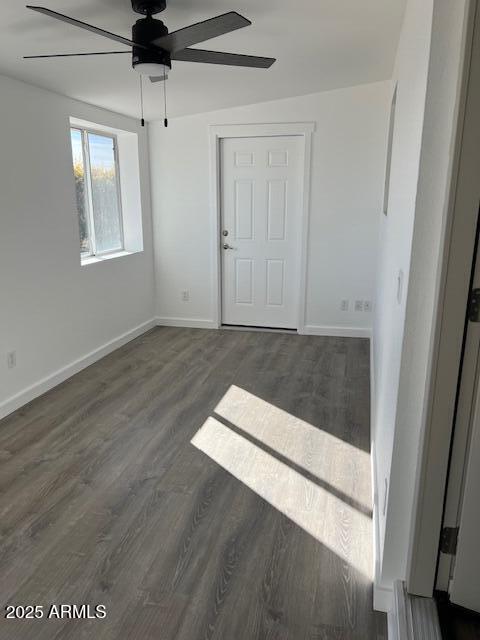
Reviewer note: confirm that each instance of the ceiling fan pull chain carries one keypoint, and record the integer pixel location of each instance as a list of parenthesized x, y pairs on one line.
[(141, 100), (165, 121)]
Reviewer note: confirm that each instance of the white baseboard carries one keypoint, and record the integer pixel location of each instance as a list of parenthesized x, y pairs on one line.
[(382, 598), (313, 330), (398, 622), (392, 633), (412, 617), (382, 595), (45, 384), (341, 332), (379, 597), (193, 323)]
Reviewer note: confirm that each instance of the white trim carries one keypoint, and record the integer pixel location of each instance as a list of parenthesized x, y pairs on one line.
[(412, 617), (85, 132), (312, 330), (262, 129), (217, 133), (451, 299), (382, 598), (101, 257), (193, 323), (45, 384), (382, 594), (373, 381), (399, 623), (392, 633), (341, 332)]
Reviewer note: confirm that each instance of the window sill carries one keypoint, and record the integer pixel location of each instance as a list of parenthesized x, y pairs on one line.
[(102, 258)]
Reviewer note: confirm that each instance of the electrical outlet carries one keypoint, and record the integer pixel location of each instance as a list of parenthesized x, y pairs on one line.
[(12, 359), (344, 305), (185, 296), (367, 306), (358, 305)]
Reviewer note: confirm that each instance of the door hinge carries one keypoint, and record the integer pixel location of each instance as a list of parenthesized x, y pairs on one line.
[(448, 540), (474, 306)]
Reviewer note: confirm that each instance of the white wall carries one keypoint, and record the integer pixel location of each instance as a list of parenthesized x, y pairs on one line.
[(396, 232), (410, 76), (411, 240), (53, 311), (348, 163)]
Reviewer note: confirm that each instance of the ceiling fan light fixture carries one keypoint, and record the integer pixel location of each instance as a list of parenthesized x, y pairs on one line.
[(152, 69)]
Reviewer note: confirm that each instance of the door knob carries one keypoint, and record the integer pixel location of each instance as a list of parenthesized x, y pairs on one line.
[(227, 246)]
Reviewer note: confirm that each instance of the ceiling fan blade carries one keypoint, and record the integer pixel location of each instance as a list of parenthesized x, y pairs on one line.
[(201, 31), (84, 25), (218, 57), (158, 78), (70, 55)]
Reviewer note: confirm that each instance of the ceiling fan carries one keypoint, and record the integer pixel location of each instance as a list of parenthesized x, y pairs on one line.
[(153, 48)]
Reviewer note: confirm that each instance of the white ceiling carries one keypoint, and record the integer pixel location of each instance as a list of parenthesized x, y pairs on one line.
[(319, 45)]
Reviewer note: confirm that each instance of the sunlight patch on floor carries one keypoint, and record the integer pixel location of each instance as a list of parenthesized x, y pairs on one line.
[(326, 509), (312, 448)]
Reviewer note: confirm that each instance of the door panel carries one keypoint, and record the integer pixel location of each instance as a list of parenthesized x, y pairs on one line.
[(243, 281), (275, 282), (261, 200), (277, 209), (244, 209)]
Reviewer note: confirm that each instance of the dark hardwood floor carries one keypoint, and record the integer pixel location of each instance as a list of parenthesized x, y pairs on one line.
[(201, 485)]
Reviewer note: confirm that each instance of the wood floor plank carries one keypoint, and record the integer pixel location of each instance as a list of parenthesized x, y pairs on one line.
[(114, 491)]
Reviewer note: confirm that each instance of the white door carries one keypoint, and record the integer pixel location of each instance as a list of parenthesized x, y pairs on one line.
[(465, 585), (261, 202)]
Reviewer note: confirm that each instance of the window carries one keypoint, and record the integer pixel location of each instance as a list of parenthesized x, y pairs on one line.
[(389, 152), (97, 186)]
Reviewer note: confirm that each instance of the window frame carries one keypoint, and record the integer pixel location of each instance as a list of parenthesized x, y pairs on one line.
[(84, 131)]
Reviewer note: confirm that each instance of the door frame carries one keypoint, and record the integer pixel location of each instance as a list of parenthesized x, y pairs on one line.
[(446, 351), (463, 427), (217, 133)]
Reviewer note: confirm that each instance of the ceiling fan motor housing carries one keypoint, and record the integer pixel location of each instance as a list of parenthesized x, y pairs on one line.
[(148, 7), (144, 31)]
